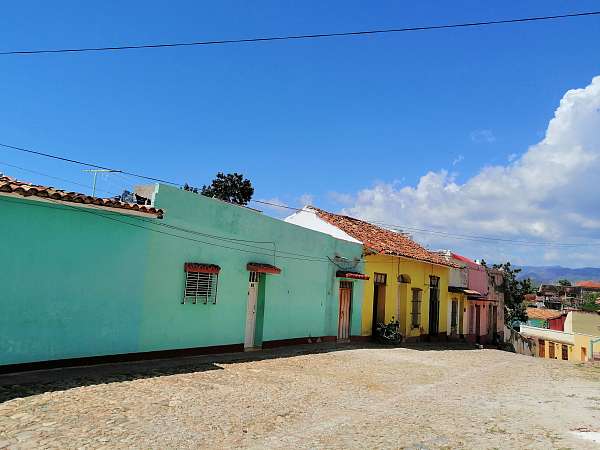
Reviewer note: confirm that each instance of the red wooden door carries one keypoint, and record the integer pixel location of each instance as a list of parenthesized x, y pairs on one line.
[(344, 315)]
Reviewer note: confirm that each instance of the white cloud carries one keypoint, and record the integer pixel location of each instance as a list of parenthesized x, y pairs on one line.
[(306, 199), (551, 193), (485, 136), (512, 157), (458, 159)]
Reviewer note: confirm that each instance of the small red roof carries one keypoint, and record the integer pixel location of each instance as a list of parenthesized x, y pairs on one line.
[(543, 314), (10, 185), (588, 284), (381, 240)]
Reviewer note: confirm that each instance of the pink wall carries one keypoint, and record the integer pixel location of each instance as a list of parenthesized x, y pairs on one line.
[(478, 279)]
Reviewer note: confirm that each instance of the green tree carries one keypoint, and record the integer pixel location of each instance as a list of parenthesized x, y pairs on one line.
[(232, 188), (564, 282), (514, 293), (589, 301)]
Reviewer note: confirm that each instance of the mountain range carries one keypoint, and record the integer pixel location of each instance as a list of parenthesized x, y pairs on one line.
[(551, 274)]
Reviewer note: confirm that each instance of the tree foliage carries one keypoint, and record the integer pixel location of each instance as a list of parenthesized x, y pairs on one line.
[(564, 282), (231, 187), (514, 293)]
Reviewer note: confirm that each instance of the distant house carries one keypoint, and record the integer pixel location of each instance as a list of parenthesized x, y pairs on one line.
[(546, 318), (556, 296), (89, 279), (406, 282), (570, 336)]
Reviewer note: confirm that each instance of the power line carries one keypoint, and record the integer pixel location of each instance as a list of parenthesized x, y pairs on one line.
[(300, 36), (81, 163), (64, 180), (87, 211), (391, 226), (446, 234)]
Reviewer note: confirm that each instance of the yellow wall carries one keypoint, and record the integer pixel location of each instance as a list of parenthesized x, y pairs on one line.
[(581, 341), (398, 296)]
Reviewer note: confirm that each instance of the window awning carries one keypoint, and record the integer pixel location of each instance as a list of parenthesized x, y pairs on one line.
[(355, 275), (201, 268), (263, 268), (472, 293)]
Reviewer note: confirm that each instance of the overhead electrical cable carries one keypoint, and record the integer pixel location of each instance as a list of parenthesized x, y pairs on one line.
[(300, 36), (81, 163), (108, 217), (390, 226)]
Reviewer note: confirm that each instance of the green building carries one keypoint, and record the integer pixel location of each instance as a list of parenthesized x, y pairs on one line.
[(85, 277)]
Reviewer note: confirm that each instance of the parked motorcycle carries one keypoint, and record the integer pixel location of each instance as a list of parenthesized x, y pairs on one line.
[(389, 333)]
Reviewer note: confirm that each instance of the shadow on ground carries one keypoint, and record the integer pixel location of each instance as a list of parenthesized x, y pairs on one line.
[(25, 384)]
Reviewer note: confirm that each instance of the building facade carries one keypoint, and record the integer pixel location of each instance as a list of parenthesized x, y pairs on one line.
[(92, 277), (480, 291), (406, 282)]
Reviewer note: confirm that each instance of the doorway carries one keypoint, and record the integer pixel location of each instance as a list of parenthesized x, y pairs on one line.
[(380, 280), (454, 318), (345, 311), (250, 335), (477, 322), (434, 305)]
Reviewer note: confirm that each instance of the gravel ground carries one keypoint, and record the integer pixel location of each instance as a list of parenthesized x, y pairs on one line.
[(335, 397)]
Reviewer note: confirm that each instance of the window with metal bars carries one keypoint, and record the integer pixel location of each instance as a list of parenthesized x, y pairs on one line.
[(200, 287), (380, 278), (454, 314), (416, 308)]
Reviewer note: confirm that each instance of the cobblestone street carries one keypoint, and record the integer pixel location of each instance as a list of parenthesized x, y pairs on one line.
[(349, 397)]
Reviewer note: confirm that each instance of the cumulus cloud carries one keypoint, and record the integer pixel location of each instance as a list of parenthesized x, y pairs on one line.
[(486, 136), (549, 193)]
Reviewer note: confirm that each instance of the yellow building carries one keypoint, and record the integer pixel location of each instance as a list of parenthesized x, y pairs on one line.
[(578, 342), (406, 282)]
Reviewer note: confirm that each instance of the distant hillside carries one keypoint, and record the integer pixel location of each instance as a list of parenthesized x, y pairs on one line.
[(551, 274)]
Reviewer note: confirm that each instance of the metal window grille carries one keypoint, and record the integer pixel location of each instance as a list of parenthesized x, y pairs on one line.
[(380, 278), (254, 277), (416, 308), (200, 287), (454, 317)]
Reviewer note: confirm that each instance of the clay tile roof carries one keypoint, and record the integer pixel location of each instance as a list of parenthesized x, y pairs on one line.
[(588, 284), (543, 314), (10, 185), (381, 240)]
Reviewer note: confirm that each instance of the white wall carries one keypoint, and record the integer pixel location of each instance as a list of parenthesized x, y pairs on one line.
[(308, 218)]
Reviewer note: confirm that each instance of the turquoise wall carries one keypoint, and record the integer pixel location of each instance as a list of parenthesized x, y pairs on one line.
[(80, 283)]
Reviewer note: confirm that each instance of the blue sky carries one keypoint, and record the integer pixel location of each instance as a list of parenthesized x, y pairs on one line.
[(300, 118)]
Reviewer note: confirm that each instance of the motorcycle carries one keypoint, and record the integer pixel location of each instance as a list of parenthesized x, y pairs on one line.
[(389, 333)]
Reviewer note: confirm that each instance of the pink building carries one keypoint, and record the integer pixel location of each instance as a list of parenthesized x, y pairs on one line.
[(484, 308)]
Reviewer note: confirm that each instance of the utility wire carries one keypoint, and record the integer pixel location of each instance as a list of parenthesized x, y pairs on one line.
[(242, 242), (81, 163), (391, 226), (443, 233), (300, 36), (108, 217)]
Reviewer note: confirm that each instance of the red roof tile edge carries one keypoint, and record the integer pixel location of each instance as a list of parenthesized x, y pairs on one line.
[(10, 185)]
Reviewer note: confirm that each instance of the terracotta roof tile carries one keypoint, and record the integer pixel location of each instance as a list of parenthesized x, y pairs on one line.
[(10, 185), (543, 314), (588, 284), (381, 240)]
